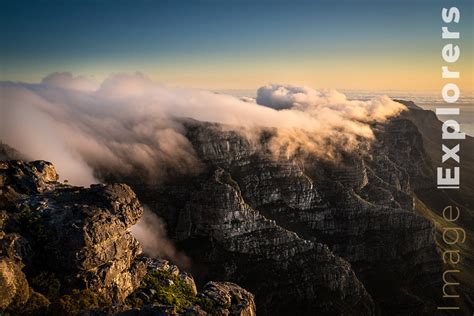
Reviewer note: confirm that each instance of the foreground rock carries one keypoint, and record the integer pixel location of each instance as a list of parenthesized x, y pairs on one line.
[(67, 250), (166, 290)]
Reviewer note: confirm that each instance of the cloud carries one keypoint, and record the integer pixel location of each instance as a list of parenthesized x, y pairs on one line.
[(150, 231), (129, 124), (68, 81), (338, 125), (314, 102)]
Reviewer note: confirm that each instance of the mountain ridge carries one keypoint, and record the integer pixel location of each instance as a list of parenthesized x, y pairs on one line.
[(354, 236)]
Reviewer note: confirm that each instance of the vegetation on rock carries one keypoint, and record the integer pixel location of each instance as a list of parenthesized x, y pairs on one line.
[(162, 287)]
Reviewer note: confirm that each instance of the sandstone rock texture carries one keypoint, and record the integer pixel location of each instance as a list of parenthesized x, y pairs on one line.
[(305, 234), (68, 250), (78, 232)]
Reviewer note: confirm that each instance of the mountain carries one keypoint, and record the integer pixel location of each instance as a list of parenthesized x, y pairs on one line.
[(354, 236), (432, 201), (360, 234), (68, 250)]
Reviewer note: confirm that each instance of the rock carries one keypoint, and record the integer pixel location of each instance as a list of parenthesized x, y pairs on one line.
[(14, 289), (195, 310), (76, 242), (79, 234), (229, 299), (15, 247), (9, 153), (250, 218), (216, 298), (88, 236), (164, 265), (27, 178), (247, 247)]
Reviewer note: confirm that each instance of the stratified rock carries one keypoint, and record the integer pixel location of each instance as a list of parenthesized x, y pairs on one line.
[(238, 243), (251, 218), (79, 234), (165, 283)]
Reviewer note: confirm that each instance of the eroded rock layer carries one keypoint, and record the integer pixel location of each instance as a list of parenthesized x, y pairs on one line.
[(68, 250), (308, 234)]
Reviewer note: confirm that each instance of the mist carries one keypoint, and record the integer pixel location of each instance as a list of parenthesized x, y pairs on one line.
[(130, 124), (150, 231)]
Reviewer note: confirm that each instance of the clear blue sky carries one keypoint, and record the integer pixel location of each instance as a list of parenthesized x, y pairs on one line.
[(233, 44)]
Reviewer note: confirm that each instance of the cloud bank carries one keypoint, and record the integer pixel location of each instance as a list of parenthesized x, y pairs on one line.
[(129, 124), (338, 124)]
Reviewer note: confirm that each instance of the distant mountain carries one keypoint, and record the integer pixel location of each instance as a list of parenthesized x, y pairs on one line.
[(432, 201)]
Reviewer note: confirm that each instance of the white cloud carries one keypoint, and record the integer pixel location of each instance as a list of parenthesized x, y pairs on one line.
[(67, 81), (129, 123)]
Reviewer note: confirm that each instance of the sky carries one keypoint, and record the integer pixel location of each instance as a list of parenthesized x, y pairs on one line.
[(237, 44)]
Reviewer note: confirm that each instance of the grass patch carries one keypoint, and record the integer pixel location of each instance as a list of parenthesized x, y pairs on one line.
[(162, 287)]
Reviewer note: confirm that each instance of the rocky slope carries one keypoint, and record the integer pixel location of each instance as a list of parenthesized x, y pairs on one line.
[(352, 236), (431, 201), (306, 234), (66, 249)]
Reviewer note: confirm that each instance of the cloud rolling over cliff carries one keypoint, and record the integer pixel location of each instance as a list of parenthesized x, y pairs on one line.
[(129, 123)]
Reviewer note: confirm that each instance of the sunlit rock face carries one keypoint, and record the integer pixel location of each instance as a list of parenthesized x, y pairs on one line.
[(79, 234), (58, 240), (306, 233)]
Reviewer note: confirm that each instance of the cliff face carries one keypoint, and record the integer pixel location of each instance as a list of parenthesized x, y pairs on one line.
[(235, 242), (306, 234), (75, 231), (342, 237), (66, 249), (431, 201)]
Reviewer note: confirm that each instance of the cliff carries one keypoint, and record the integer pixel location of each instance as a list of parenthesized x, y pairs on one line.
[(356, 235), (340, 237), (66, 250)]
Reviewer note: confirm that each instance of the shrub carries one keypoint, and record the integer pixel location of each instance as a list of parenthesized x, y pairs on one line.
[(47, 284), (207, 305), (78, 300), (162, 287), (37, 305), (31, 223)]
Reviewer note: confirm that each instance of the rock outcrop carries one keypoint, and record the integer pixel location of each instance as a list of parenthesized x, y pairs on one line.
[(78, 237), (68, 250), (76, 231), (228, 299), (165, 283)]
